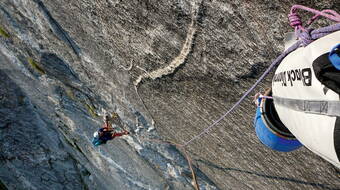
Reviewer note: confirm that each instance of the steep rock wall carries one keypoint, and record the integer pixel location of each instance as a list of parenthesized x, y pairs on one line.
[(173, 66)]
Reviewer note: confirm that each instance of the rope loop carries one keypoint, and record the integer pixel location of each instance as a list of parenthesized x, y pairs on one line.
[(295, 20), (296, 23)]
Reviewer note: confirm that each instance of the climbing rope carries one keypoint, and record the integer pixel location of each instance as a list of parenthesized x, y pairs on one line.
[(278, 60), (295, 20), (186, 155), (302, 32), (306, 36)]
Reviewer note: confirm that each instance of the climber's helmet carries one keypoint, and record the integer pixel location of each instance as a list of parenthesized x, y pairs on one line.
[(96, 134)]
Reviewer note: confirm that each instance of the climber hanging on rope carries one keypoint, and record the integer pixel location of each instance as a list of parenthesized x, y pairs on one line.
[(107, 132)]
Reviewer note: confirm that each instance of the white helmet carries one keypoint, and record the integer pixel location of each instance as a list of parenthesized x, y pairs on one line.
[(95, 134)]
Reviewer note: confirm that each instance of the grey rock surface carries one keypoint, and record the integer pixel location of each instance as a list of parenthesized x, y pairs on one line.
[(168, 68)]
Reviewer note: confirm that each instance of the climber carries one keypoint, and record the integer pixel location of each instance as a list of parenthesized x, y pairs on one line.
[(106, 133)]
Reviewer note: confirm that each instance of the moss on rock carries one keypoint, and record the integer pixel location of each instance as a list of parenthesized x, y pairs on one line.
[(36, 66), (4, 33)]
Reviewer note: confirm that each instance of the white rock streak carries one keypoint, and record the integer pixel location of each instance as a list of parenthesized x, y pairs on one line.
[(180, 59)]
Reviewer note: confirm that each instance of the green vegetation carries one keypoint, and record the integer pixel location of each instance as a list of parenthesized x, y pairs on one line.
[(35, 65), (3, 33), (21, 100), (70, 94), (2, 186), (91, 110)]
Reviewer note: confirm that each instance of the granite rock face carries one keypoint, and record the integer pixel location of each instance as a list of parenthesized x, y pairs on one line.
[(168, 68)]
